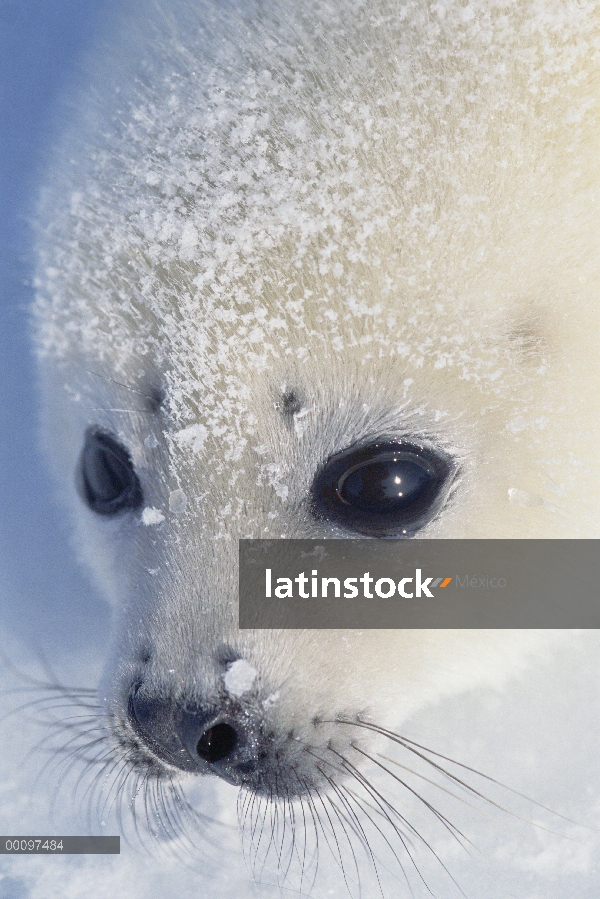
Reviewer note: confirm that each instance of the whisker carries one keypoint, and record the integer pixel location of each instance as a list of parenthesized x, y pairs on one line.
[(357, 827), (454, 831), (107, 783), (315, 821), (339, 858), (110, 380), (410, 746), (365, 806), (481, 811), (375, 793), (496, 783)]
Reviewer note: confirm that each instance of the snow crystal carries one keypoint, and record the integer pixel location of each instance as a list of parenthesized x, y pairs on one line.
[(177, 501), (189, 239), (193, 436), (239, 678), (523, 498), (271, 700), (516, 424), (300, 426), (152, 516)]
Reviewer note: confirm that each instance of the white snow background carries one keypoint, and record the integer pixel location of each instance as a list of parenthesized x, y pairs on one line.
[(540, 735)]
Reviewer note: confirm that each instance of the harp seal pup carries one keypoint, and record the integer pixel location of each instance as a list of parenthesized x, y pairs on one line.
[(277, 233)]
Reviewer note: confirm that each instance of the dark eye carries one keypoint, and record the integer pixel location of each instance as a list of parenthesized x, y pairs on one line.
[(106, 478), (384, 489)]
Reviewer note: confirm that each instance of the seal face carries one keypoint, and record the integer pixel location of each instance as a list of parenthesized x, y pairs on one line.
[(316, 270)]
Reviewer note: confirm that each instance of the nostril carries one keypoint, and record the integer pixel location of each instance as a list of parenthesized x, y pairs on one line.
[(188, 736), (217, 743)]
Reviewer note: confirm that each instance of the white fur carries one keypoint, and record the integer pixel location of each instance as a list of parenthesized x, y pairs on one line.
[(390, 209)]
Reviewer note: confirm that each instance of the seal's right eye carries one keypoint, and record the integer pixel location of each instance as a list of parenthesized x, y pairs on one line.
[(106, 478)]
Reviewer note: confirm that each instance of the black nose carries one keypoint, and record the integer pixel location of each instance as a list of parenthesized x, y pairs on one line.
[(195, 737), (217, 743)]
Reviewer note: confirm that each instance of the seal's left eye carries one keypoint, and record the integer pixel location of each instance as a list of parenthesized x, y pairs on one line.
[(106, 478), (383, 489)]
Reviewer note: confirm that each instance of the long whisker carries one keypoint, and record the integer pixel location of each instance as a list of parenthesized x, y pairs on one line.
[(454, 831), (376, 793), (357, 828), (410, 746), (350, 816), (496, 782), (366, 808)]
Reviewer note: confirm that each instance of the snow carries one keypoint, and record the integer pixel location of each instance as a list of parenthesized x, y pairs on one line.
[(177, 501), (193, 436), (152, 516), (239, 678), (523, 498), (271, 700)]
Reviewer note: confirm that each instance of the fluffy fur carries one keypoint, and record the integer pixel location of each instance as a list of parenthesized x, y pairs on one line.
[(279, 229)]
